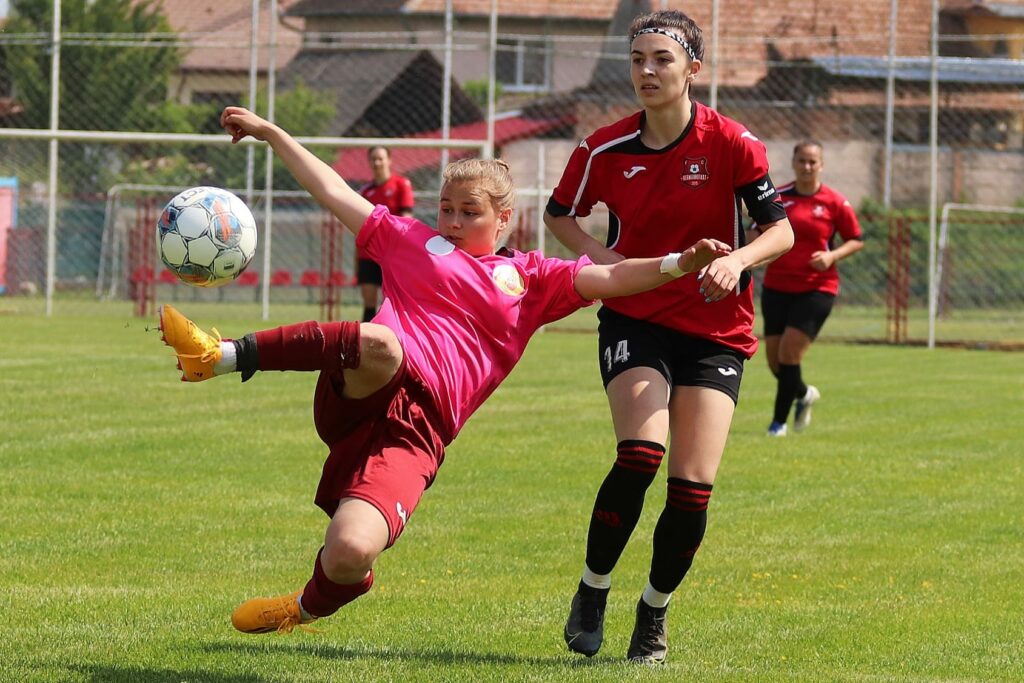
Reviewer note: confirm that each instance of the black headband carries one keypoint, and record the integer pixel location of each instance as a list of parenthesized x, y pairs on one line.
[(665, 32)]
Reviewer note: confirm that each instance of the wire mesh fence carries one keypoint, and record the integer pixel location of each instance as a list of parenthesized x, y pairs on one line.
[(848, 76)]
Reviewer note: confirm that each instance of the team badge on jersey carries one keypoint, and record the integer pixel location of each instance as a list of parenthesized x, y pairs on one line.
[(509, 280), (695, 172)]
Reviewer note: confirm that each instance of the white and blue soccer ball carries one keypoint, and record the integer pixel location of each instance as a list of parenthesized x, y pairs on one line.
[(206, 236)]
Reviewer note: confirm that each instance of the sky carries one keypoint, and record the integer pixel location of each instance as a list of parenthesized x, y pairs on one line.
[(3, 8)]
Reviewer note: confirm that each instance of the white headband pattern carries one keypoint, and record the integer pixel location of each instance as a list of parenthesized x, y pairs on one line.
[(665, 32)]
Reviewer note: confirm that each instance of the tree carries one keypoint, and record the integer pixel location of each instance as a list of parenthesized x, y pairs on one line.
[(103, 86)]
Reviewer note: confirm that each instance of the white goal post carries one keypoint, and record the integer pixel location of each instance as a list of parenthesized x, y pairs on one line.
[(941, 279)]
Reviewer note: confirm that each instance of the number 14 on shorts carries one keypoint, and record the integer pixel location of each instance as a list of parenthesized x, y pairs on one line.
[(621, 354)]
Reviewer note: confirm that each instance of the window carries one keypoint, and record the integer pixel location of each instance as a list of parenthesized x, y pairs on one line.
[(523, 64)]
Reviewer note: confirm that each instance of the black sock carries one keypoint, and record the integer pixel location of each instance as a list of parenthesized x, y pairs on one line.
[(679, 532), (247, 358), (368, 313), (787, 391), (620, 501)]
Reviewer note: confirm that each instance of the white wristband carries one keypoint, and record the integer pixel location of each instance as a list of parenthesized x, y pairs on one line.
[(670, 265)]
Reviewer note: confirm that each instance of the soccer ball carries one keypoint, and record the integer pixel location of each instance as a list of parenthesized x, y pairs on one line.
[(207, 236)]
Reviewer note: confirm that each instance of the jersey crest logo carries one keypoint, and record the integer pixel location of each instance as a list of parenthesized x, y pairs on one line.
[(695, 172), (509, 280), (819, 210)]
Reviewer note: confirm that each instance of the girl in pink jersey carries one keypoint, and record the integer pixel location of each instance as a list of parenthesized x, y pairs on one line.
[(801, 286), (391, 394), (671, 359)]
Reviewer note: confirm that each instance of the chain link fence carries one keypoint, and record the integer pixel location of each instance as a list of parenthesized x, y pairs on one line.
[(837, 74)]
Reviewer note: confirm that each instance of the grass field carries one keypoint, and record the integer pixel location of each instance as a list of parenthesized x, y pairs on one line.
[(884, 544)]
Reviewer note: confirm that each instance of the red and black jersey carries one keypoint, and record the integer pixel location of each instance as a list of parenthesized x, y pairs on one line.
[(816, 220), (394, 193), (664, 200)]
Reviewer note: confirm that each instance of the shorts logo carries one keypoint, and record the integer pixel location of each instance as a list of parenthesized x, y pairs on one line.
[(727, 372), (695, 172), (401, 512), (508, 280)]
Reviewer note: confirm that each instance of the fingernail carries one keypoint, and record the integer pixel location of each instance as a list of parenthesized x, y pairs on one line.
[(699, 277)]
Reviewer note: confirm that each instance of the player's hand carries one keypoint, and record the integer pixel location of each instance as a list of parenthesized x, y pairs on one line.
[(240, 122), (822, 260), (719, 278), (701, 254)]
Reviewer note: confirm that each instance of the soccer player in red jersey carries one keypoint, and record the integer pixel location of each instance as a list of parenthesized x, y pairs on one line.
[(800, 287), (671, 360), (395, 192)]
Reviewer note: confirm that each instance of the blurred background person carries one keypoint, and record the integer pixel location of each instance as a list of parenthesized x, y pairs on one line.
[(394, 192), (801, 285)]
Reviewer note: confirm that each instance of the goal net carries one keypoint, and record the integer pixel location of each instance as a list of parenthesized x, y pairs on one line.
[(978, 293)]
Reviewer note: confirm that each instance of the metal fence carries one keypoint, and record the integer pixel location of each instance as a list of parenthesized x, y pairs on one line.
[(909, 120)]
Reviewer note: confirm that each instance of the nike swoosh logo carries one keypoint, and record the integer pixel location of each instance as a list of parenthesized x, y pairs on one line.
[(728, 372), (633, 171)]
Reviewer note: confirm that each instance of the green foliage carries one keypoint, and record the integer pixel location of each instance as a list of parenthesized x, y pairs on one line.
[(883, 544), (477, 91), (301, 111), (103, 87)]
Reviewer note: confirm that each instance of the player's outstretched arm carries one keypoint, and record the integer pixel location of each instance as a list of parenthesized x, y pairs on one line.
[(632, 276), (568, 231), (321, 181)]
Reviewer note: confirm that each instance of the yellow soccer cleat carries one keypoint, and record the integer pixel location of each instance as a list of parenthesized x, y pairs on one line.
[(263, 615), (197, 351)]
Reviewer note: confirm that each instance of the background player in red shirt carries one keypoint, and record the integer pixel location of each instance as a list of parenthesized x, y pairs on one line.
[(671, 360), (801, 286), (395, 192)]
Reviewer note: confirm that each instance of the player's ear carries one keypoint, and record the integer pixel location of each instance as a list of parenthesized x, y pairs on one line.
[(695, 67), (504, 219)]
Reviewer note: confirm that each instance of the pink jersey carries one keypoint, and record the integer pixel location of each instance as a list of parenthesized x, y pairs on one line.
[(463, 321)]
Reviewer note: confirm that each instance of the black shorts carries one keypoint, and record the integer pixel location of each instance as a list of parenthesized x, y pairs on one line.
[(369, 273), (625, 343), (806, 311)]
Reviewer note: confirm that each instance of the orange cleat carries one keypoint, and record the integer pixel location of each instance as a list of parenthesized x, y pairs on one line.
[(263, 615), (197, 351)]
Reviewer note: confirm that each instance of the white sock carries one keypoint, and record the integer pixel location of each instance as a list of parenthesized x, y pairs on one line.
[(306, 616), (655, 598), (603, 581), (228, 359)]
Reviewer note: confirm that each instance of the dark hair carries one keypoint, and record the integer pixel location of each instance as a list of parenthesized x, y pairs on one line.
[(387, 152), (807, 142), (676, 22)]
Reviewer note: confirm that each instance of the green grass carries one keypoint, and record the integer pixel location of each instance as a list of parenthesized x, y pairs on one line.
[(884, 544)]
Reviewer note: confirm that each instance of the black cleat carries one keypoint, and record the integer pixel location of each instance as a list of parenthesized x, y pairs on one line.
[(584, 630), (649, 643)]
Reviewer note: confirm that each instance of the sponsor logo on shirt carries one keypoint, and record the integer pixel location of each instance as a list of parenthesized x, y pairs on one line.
[(765, 190), (509, 280), (727, 372), (695, 172), (633, 171)]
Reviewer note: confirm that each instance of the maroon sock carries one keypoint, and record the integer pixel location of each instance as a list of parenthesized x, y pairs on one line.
[(322, 597), (309, 346)]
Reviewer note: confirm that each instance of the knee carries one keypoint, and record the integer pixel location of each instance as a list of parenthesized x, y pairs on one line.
[(347, 558)]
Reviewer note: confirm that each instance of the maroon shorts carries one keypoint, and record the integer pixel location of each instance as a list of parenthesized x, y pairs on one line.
[(385, 448)]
